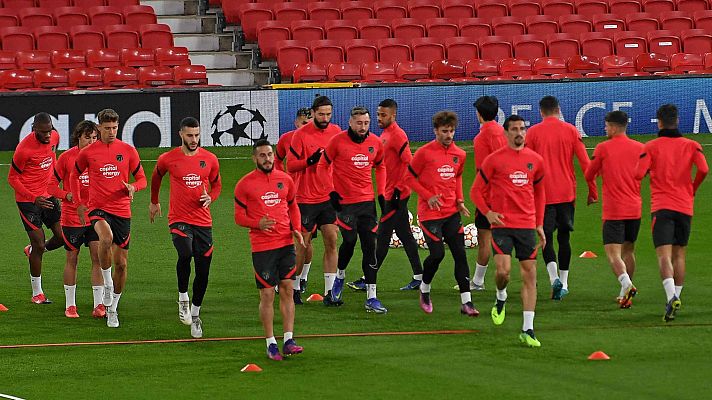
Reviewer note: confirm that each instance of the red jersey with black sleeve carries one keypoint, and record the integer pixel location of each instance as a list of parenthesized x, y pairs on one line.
[(31, 167), (615, 160), (313, 187), (280, 152), (558, 142), (397, 156), (514, 179), (490, 139), (109, 166), (62, 172), (190, 176), (260, 194), (437, 169), (351, 165), (669, 159)]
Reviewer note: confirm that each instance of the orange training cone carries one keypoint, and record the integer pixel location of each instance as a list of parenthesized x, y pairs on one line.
[(315, 297), (599, 355), (251, 368), (588, 254), (3, 308)]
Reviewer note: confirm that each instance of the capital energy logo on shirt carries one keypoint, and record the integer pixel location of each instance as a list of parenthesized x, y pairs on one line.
[(446, 172), (84, 179), (192, 181), (519, 178), (109, 171), (46, 163), (360, 160), (271, 199)]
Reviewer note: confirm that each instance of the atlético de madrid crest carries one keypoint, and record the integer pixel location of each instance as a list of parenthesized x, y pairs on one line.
[(370, 149), (280, 185), (202, 164), (119, 157), (530, 166), (455, 159)]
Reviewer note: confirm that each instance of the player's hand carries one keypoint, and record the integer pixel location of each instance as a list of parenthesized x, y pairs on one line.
[(130, 188), (81, 211), (592, 198), (463, 209), (205, 198), (153, 210), (298, 238), (382, 202), (494, 218), (266, 223), (69, 197), (542, 236), (434, 202), (43, 202), (335, 200), (395, 200), (315, 157)]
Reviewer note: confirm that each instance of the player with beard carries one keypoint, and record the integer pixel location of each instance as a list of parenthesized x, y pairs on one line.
[(193, 170)]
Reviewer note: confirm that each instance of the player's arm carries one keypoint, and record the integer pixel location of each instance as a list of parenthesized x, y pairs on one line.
[(241, 217), (459, 195), (300, 161), (215, 181), (406, 156), (380, 166), (280, 154), (14, 177), (643, 164), (477, 192), (295, 216), (539, 195), (594, 167), (702, 168), (154, 207), (412, 177), (584, 161), (80, 165), (53, 185), (140, 181)]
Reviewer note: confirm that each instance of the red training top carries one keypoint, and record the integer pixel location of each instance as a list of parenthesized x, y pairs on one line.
[(514, 180), (490, 139), (313, 187), (352, 163), (32, 167), (280, 155), (669, 161), (397, 156), (109, 166), (558, 142), (260, 194), (190, 177), (616, 160), (437, 169), (62, 172)]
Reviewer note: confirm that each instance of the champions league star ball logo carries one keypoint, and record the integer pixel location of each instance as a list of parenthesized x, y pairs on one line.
[(239, 122)]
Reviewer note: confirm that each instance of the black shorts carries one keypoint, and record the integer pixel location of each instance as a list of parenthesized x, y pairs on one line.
[(273, 266), (436, 230), (201, 237), (316, 215), (120, 227), (671, 228), (620, 230), (523, 241), (357, 215), (33, 217), (76, 236), (481, 221), (559, 216)]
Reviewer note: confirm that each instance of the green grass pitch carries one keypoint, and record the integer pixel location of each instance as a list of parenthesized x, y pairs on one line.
[(649, 358)]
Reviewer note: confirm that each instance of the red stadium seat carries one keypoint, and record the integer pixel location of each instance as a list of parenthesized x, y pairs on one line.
[(289, 12), (442, 27), (696, 41), (104, 15), (461, 49), (574, 24), (390, 9), (508, 26), (50, 78), (676, 20), (708, 61), (16, 79), (591, 7), (341, 30), (7, 60), (139, 15), (630, 44), (465, 79), (325, 52), (68, 58), (683, 62), (307, 30), (515, 67), (664, 42), (155, 76), (33, 59), (481, 68), (703, 19), (86, 37), (617, 64), (324, 11), (596, 44), (541, 25), (529, 46), (172, 56), (608, 23), (374, 29), (599, 75), (51, 38), (563, 45), (457, 9), (427, 49), (190, 75), (393, 50), (491, 9), (88, 3), (53, 3), (356, 10), (378, 71), (474, 27), (642, 22), (344, 72), (8, 17), (309, 72), (412, 70), (692, 5), (583, 64), (85, 77), (290, 53), (35, 16), (359, 51), (557, 8), (447, 69), (137, 57), (70, 16), (407, 28), (250, 15), (651, 62), (549, 66), (568, 75), (524, 8), (624, 7), (17, 4), (17, 38), (658, 6), (268, 34), (121, 36), (423, 9), (122, 3), (103, 58), (155, 35), (495, 48)]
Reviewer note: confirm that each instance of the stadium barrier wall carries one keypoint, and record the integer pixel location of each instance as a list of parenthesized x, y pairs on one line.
[(236, 117)]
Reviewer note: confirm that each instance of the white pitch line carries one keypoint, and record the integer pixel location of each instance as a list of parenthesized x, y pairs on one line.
[(7, 396)]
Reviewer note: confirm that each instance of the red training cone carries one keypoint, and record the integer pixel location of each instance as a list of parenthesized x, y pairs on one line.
[(3, 308), (251, 368), (315, 297), (588, 254), (599, 355)]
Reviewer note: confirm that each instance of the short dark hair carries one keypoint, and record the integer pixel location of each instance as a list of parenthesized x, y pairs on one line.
[(388, 103), (107, 115), (668, 116), (444, 118), (488, 107), (189, 122), (42, 118), (321, 101), (83, 128), (511, 119), (548, 104), (359, 110), (618, 118), (303, 112), (260, 143)]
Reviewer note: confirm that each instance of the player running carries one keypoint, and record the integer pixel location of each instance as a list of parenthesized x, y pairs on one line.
[(313, 189), (669, 160), (109, 162), (352, 155), (29, 176), (558, 142), (265, 203), (512, 177), (615, 160), (193, 171), (435, 173), (74, 232)]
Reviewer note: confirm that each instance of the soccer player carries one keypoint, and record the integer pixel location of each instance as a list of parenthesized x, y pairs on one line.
[(265, 203), (74, 232), (394, 202), (306, 149), (193, 171), (303, 117), (29, 176), (512, 177), (109, 162), (616, 160), (488, 140), (435, 173), (352, 155), (558, 142), (669, 160)]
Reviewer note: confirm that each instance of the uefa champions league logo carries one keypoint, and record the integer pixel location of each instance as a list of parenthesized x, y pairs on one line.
[(239, 122)]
